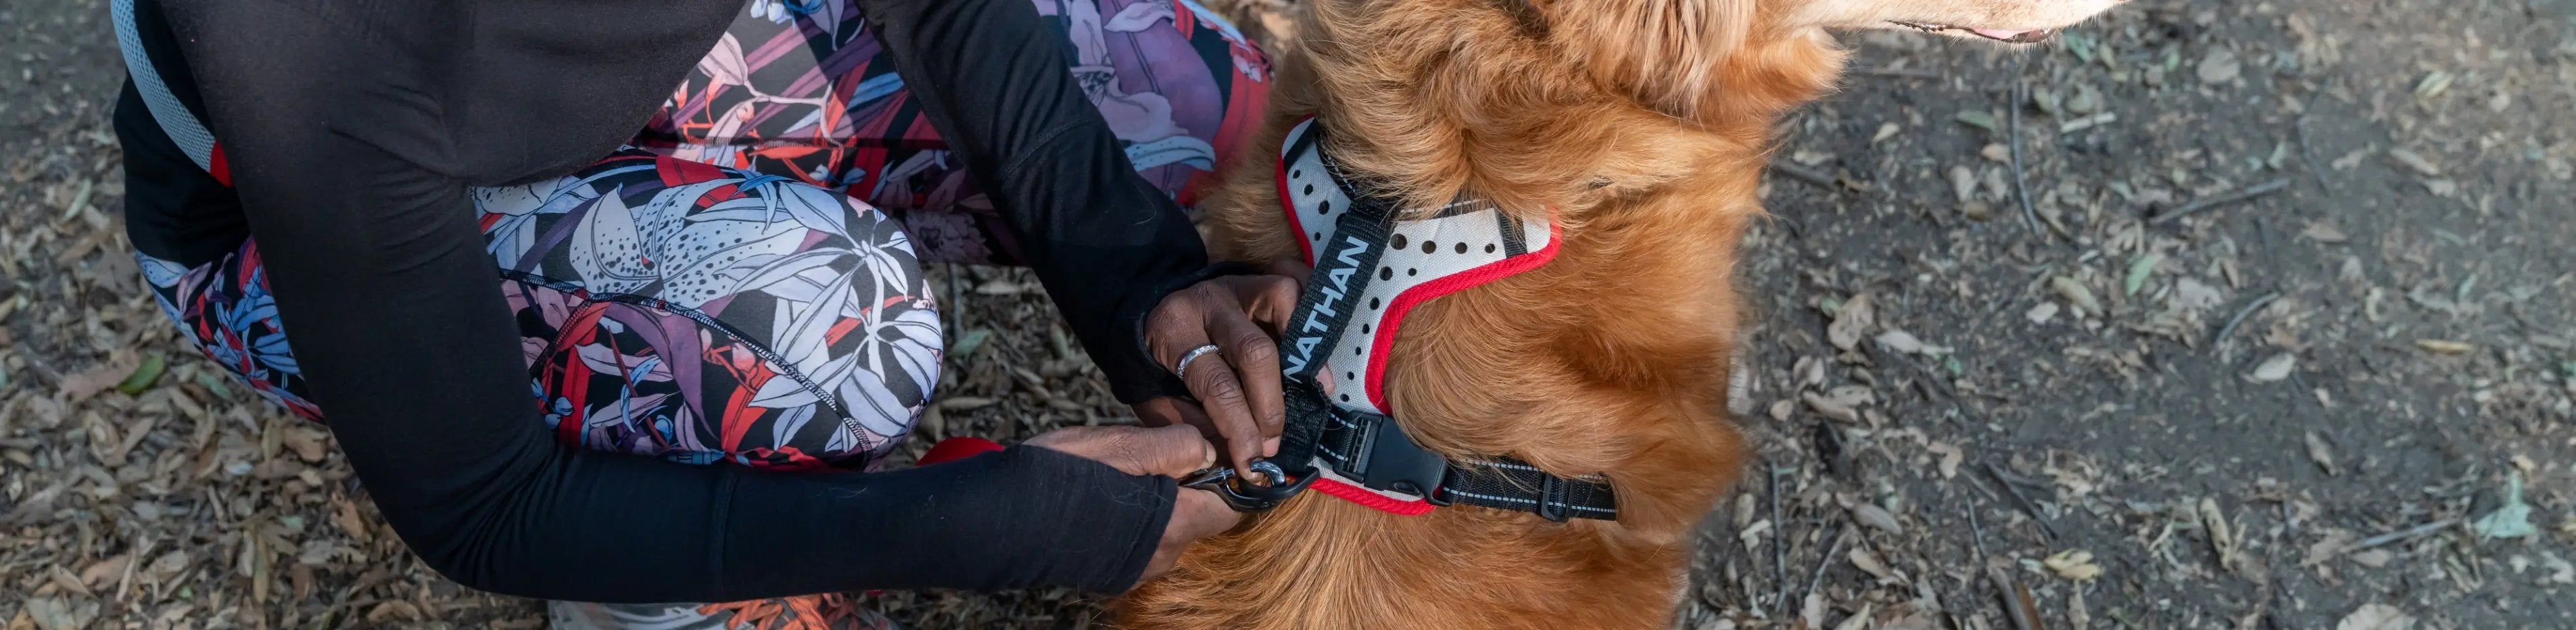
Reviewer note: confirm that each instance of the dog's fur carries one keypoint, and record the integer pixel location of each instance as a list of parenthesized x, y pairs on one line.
[(1640, 127)]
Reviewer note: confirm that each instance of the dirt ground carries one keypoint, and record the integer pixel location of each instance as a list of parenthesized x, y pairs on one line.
[(2263, 327)]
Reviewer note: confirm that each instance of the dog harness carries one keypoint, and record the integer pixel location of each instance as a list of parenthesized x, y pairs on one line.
[(1373, 264)]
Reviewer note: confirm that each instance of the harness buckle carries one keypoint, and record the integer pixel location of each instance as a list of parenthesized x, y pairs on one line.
[(1393, 463), (1244, 496)]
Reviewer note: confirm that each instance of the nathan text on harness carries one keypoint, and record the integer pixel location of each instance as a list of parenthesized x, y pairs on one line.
[(1373, 264)]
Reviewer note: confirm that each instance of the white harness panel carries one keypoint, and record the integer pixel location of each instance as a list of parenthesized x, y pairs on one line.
[(1469, 243)]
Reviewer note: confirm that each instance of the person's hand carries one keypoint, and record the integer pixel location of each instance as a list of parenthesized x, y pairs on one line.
[(1240, 402), (1169, 451)]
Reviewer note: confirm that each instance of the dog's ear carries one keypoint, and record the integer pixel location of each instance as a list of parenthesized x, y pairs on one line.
[(1670, 55)]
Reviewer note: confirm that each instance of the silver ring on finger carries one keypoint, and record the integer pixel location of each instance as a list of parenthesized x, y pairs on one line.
[(1183, 369)]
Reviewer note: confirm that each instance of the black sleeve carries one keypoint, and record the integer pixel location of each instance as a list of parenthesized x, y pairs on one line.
[(341, 122), (992, 77)]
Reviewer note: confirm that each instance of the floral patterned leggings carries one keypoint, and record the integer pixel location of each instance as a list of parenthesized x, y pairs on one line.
[(743, 283)]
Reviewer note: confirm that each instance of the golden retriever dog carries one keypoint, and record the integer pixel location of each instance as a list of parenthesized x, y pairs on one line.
[(1639, 128)]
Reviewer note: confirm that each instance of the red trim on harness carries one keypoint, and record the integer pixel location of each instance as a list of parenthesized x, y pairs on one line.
[(217, 166), (1371, 500), (1427, 291), (1288, 205)]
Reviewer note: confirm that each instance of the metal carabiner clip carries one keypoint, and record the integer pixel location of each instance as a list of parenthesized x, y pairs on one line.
[(1249, 497)]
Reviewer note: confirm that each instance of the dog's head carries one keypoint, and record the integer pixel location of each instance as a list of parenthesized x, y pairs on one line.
[(1680, 55)]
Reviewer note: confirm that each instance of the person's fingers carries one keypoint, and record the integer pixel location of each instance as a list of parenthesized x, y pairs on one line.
[(1180, 327), (1290, 267), (1214, 383), (1168, 411), (1255, 359), (1270, 300), (1160, 412), (1172, 451), (1174, 329)]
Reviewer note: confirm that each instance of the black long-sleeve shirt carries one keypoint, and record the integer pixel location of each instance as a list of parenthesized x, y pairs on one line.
[(352, 129)]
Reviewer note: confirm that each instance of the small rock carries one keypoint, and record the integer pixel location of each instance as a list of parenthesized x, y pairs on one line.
[(2220, 66), (2042, 313), (2276, 368), (2194, 295)]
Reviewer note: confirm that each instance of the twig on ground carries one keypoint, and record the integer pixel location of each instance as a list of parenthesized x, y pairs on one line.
[(2020, 500), (2239, 319), (2019, 607), (1816, 583), (1979, 531), (2021, 184), (2402, 535), (1808, 175), (2248, 193), (1779, 543), (1898, 72)]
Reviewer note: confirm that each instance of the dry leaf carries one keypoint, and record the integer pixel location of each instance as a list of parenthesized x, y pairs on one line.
[(2414, 161), (2318, 452), (1947, 456), (1829, 407), (2073, 564), (2438, 346), (2075, 295), (1858, 620), (1876, 517), (2376, 617), (98, 573), (80, 387), (2333, 544), (2325, 232), (2221, 538), (1852, 323), (1869, 562)]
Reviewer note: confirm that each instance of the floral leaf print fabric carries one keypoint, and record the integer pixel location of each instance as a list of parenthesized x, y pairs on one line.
[(798, 89), (666, 307), (701, 313), (225, 306)]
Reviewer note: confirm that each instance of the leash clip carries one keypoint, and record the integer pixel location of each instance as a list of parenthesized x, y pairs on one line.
[(1244, 496)]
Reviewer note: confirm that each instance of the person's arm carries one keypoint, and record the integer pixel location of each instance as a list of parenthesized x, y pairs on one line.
[(341, 133), (1119, 258), (993, 77)]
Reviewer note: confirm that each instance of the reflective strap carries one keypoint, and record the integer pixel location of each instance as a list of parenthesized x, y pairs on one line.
[(174, 118)]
